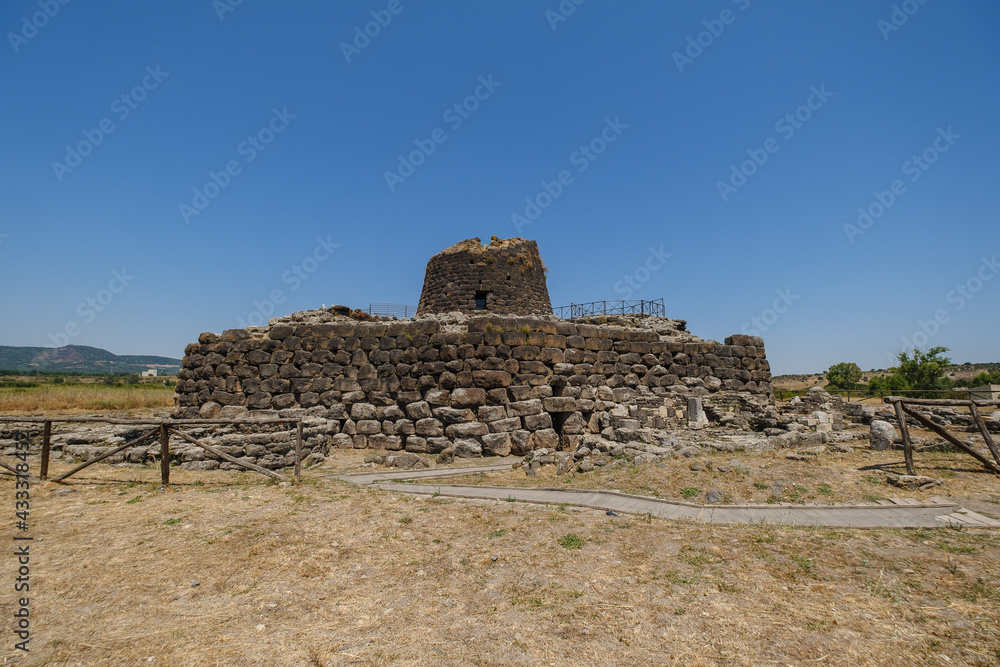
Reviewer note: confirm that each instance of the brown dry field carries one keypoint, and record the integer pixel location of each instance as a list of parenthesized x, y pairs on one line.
[(72, 399), (326, 573)]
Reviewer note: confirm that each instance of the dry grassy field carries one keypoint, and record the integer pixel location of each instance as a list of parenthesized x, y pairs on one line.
[(229, 568), (771, 477), (67, 398)]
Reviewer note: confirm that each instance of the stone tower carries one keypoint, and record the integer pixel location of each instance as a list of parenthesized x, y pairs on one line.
[(506, 277)]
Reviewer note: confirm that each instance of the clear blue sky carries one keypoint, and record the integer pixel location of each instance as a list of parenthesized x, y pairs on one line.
[(151, 98)]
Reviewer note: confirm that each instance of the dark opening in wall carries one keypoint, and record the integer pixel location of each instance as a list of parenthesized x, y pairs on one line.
[(559, 420), (481, 300)]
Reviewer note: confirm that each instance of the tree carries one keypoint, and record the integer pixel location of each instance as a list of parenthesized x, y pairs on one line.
[(925, 370), (843, 375), (888, 385), (980, 380)]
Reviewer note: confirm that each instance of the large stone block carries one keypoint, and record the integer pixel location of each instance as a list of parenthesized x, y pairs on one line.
[(538, 422), (468, 448), (491, 379), (429, 427), (560, 404), (468, 397), (496, 444), (454, 415), (522, 408), (466, 430)]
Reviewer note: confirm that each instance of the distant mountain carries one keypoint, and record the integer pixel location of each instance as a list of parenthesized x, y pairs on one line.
[(81, 359)]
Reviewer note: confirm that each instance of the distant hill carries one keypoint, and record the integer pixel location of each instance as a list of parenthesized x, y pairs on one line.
[(81, 359)]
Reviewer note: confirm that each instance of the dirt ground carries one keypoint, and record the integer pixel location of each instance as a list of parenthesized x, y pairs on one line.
[(229, 568)]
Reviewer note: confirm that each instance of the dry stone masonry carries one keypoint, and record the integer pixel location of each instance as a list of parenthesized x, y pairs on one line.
[(478, 384), (506, 277)]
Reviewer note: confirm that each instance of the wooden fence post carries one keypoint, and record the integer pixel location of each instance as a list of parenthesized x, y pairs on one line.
[(46, 446), (905, 432), (164, 455), (298, 452), (984, 431)]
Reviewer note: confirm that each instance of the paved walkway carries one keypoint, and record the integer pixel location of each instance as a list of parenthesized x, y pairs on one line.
[(893, 513)]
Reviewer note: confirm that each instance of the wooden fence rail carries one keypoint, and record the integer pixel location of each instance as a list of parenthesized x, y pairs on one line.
[(162, 428), (906, 406)]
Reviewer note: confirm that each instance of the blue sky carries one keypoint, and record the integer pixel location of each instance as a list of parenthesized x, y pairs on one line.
[(172, 168)]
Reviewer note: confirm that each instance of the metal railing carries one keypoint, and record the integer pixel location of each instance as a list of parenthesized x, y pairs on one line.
[(595, 308), (399, 310)]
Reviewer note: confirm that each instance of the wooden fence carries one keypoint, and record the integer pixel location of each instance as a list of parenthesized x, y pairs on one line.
[(908, 406), (161, 429)]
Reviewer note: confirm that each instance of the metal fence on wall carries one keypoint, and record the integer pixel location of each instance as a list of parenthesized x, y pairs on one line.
[(595, 308), (392, 310)]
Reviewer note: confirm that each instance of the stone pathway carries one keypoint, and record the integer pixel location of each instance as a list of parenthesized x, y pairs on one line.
[(893, 513)]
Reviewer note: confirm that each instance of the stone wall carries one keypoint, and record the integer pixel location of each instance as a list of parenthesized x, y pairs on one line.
[(494, 386), (508, 275)]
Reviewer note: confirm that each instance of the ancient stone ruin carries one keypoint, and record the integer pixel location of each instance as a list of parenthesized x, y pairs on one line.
[(506, 277), (483, 369)]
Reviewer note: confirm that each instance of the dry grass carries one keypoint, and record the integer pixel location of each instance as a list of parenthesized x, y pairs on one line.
[(331, 574), (70, 397), (772, 478)]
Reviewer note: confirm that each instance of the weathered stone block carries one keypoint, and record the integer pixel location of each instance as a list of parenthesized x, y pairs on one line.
[(559, 404), (496, 444), (538, 422), (363, 411), (491, 379), (454, 415), (369, 426), (489, 413), (523, 408), (505, 425), (466, 430), (468, 397), (429, 427), (468, 448)]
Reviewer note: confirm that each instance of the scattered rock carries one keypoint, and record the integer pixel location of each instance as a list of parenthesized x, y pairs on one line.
[(713, 496), (881, 435), (919, 482), (447, 455), (697, 466), (795, 456), (586, 465), (688, 452), (195, 583)]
